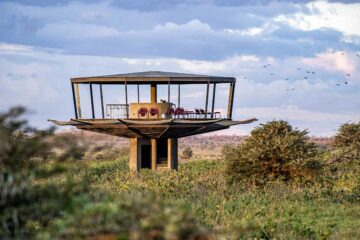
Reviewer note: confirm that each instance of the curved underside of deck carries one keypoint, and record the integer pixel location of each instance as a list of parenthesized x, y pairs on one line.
[(152, 128)]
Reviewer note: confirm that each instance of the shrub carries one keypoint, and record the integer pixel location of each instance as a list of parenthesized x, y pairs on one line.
[(347, 142), (128, 216), (23, 206), (20, 145), (273, 151), (187, 152)]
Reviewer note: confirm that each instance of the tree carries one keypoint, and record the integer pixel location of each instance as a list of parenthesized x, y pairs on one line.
[(25, 205), (273, 151), (187, 152), (21, 148), (347, 142)]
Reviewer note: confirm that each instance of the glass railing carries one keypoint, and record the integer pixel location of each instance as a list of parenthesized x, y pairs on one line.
[(117, 111)]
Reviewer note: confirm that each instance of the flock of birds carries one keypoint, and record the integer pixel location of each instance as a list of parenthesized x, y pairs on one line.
[(309, 73)]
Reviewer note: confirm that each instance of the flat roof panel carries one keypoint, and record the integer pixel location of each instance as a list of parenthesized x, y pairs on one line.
[(154, 77)]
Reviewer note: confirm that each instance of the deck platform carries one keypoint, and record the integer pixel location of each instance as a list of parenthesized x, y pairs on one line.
[(152, 128)]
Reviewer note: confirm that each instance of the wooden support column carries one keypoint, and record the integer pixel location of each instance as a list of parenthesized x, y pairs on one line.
[(231, 100), (102, 101), (126, 101), (133, 164), (92, 101), (213, 101), (172, 154), (153, 93), (207, 99), (153, 154), (77, 93), (74, 100), (169, 153)]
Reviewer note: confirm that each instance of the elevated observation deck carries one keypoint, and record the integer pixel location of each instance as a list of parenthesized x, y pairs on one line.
[(153, 119), (153, 126)]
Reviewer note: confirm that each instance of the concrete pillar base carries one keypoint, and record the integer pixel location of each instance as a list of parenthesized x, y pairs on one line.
[(149, 153), (172, 153)]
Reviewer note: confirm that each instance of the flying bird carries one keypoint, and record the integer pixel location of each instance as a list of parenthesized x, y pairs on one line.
[(245, 77), (264, 66), (287, 79), (305, 77), (343, 53), (346, 82), (307, 71), (271, 74), (348, 74), (313, 72), (338, 84), (298, 69)]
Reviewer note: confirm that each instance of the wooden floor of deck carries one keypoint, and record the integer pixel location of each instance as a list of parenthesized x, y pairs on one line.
[(152, 128)]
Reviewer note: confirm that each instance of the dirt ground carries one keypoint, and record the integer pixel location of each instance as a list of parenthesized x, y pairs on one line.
[(204, 147)]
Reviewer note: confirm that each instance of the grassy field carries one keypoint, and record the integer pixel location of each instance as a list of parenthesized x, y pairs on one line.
[(274, 185), (328, 209)]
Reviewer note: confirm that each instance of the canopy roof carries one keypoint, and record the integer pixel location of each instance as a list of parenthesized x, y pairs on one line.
[(156, 77)]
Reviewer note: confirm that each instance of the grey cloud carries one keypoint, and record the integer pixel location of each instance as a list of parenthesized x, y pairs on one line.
[(196, 40), (151, 5), (185, 32)]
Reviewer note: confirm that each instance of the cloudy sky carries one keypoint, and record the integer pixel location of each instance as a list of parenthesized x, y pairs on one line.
[(311, 51)]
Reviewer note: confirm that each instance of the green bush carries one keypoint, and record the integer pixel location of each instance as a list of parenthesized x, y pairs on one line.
[(20, 145), (127, 216), (273, 151), (347, 142), (25, 207), (187, 153)]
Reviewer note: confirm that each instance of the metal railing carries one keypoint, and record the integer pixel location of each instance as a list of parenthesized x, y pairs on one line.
[(117, 111), (121, 111)]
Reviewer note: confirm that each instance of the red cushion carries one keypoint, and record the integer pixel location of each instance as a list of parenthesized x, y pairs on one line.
[(143, 111), (154, 111)]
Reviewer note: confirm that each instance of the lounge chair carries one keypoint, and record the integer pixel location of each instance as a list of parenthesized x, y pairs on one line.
[(197, 112), (202, 112), (154, 112), (179, 111), (170, 112), (143, 113)]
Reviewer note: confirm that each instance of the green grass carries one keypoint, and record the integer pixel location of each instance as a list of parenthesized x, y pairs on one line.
[(327, 209), (98, 199)]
